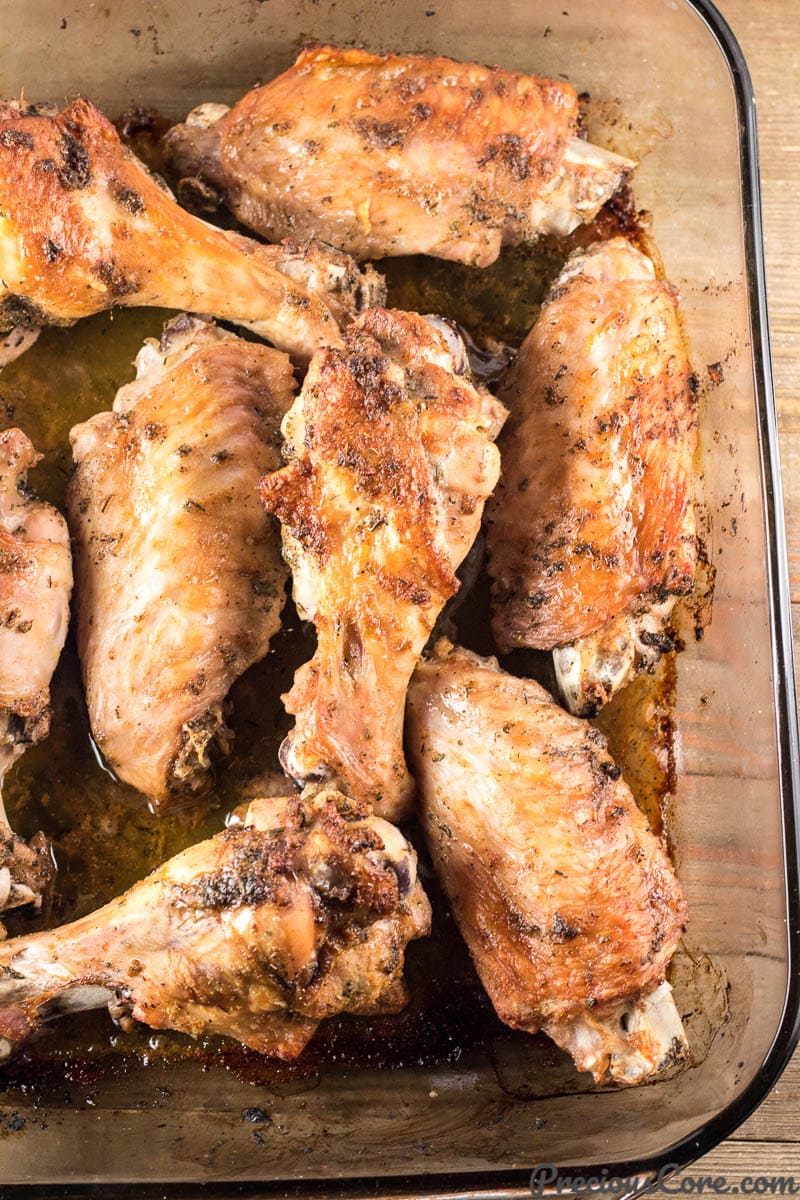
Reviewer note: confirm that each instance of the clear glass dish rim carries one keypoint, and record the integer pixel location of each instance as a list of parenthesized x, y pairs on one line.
[(514, 1184)]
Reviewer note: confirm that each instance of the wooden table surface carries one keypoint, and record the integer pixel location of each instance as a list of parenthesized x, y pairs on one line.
[(769, 34)]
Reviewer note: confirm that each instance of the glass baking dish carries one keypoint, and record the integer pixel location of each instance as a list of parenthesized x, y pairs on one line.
[(475, 1116)]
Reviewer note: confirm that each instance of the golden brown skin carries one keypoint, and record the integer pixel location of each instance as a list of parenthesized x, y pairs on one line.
[(391, 459), (85, 227), (594, 516), (300, 911), (35, 587), (564, 896), (180, 582), (398, 154)]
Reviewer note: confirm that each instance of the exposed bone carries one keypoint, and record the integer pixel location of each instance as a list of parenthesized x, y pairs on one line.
[(626, 1042), (592, 669), (589, 176), (15, 343)]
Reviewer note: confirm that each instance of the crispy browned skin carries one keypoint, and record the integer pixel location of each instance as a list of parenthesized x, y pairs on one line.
[(399, 154), (86, 227), (301, 912), (594, 515), (180, 582), (391, 461), (566, 899), (35, 587)]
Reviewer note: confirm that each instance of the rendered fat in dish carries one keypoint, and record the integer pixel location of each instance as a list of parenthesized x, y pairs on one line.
[(591, 533), (391, 457), (566, 899), (180, 582), (384, 154), (300, 910), (85, 227)]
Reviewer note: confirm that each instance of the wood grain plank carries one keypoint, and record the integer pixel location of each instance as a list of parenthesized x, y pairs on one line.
[(778, 1118), (737, 1161)]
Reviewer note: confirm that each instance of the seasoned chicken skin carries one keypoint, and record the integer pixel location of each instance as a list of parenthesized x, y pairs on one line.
[(301, 911), (566, 899), (35, 587), (180, 582), (85, 227), (391, 459), (388, 154), (591, 533)]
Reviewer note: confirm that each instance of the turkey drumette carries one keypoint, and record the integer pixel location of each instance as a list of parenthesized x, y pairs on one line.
[(391, 459), (300, 910), (86, 227), (35, 586), (566, 899), (591, 534), (388, 154), (180, 582)]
